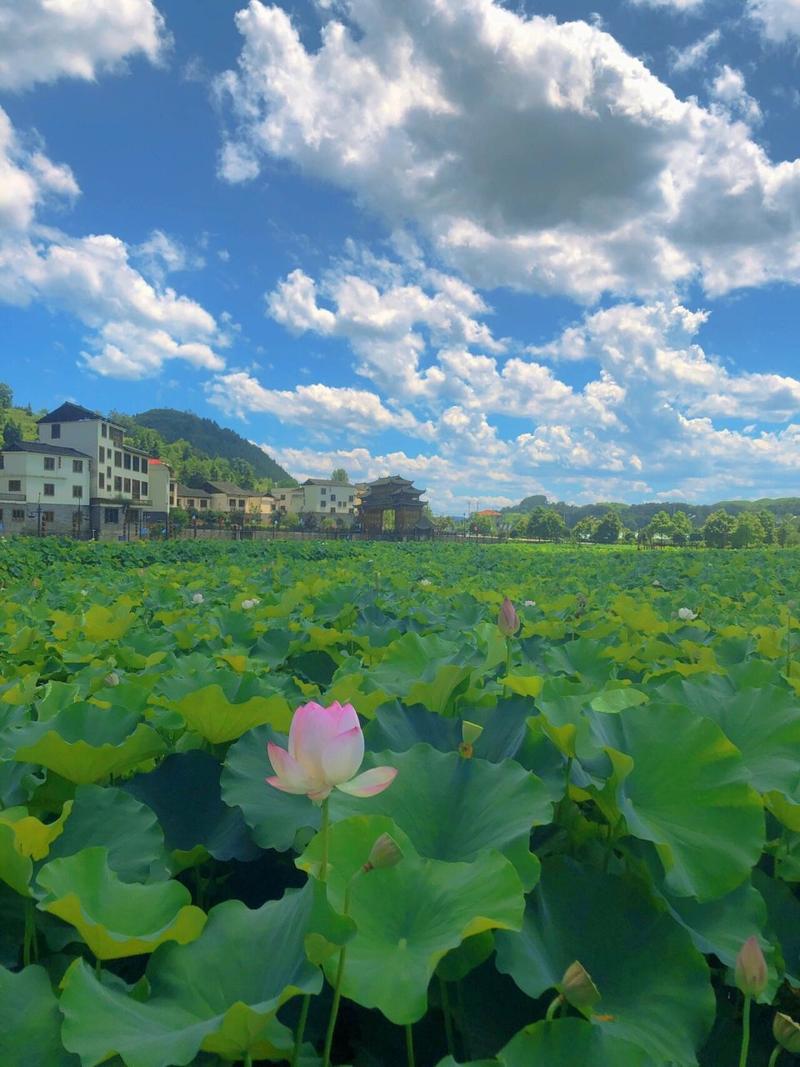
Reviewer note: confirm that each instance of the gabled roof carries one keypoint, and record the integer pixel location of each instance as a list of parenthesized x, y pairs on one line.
[(68, 412), (187, 491), (230, 489), (45, 449), (327, 481)]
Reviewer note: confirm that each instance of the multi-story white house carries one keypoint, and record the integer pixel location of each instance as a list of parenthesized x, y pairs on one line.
[(319, 497), (84, 477)]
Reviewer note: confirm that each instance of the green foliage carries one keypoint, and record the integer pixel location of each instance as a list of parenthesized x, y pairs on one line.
[(632, 802)]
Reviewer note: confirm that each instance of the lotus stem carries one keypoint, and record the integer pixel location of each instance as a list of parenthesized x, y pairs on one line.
[(337, 989), (301, 1029), (745, 1032), (410, 1046), (774, 1057), (29, 949), (98, 967), (248, 1059), (448, 1018), (553, 1007)]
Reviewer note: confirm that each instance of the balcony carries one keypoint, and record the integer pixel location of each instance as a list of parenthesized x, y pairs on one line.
[(9, 498)]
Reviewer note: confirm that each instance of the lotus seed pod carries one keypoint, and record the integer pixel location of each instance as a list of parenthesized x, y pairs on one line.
[(578, 989), (786, 1032), (751, 969), (385, 853)]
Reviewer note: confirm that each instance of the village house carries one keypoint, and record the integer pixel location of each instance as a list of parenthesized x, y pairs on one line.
[(321, 498), (81, 478)]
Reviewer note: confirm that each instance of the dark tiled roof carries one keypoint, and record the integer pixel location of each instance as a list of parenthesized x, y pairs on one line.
[(327, 481), (230, 489), (46, 449), (70, 413), (185, 490)]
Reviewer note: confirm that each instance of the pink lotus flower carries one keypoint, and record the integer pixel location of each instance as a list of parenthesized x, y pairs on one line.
[(326, 747), (751, 968), (508, 620)]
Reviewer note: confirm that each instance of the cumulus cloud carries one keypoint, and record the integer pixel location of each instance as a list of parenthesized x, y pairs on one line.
[(41, 41), (676, 5), (136, 325), (728, 89), (778, 20), (530, 153), (321, 409)]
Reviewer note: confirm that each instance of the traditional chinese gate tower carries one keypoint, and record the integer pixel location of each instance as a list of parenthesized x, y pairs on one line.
[(393, 494)]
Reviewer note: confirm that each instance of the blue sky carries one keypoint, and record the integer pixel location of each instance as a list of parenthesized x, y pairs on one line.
[(498, 249)]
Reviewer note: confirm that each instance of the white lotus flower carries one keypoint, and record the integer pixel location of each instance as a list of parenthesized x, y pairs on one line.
[(686, 614), (198, 598)]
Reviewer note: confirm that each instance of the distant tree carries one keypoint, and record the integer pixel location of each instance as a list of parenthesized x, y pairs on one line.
[(546, 525), (661, 527), (340, 475), (481, 524), (179, 518), (748, 531), (6, 396), (718, 528), (787, 532), (609, 529), (585, 529), (767, 520), (12, 433), (681, 528)]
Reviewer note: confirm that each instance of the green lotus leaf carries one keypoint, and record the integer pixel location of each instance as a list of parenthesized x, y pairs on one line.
[(273, 816), (564, 1043), (34, 838), (420, 670), (114, 918), (109, 817), (409, 916), (454, 808), (653, 983), (680, 783), (15, 868), (219, 994), (30, 1033), (202, 819), (209, 712), (783, 910), (85, 743)]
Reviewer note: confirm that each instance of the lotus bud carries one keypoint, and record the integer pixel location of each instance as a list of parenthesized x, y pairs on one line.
[(751, 969), (786, 1032), (508, 620), (578, 989), (470, 732), (385, 853), (112, 678)]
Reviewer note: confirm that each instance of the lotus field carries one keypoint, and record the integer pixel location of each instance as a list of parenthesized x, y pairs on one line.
[(346, 804)]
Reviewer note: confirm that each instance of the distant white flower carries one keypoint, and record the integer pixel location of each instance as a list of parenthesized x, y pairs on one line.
[(84, 592), (248, 604), (425, 581), (112, 678), (529, 603), (686, 614), (198, 598)]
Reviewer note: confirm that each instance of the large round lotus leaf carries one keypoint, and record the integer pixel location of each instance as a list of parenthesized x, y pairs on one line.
[(209, 713), (454, 808), (651, 979), (680, 783), (220, 993), (34, 838), (273, 816), (30, 1031), (85, 743), (109, 817), (564, 1043), (204, 820), (420, 669), (409, 916), (115, 918)]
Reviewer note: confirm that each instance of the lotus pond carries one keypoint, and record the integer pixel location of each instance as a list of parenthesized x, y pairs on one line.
[(566, 820)]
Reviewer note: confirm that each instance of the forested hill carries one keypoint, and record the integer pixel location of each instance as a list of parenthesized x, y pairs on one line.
[(205, 436), (637, 516)]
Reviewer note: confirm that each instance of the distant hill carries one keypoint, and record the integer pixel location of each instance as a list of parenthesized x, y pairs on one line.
[(211, 439), (636, 516)]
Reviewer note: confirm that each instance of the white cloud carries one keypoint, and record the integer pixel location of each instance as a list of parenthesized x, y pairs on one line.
[(43, 40), (676, 5), (728, 89), (136, 326), (321, 409), (161, 255), (778, 20), (531, 153), (695, 54)]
